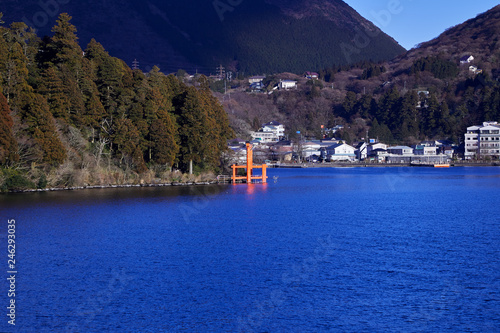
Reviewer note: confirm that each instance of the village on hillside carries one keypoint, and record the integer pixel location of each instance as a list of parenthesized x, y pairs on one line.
[(271, 145)]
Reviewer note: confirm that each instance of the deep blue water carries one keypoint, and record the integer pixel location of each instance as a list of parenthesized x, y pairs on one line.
[(315, 250)]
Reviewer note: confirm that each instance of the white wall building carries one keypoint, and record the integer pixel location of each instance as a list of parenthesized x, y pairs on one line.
[(272, 131), (425, 150), (256, 79), (310, 148), (483, 141), (400, 150), (467, 59), (361, 151), (287, 84), (265, 136), (341, 152)]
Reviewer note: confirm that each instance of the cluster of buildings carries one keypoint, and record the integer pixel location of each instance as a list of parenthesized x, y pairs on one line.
[(270, 144), (467, 60), (257, 82)]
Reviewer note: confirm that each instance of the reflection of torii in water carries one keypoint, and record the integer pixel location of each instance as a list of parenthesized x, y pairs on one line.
[(249, 166)]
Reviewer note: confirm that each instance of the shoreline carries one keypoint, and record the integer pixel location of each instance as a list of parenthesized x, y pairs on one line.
[(91, 187), (279, 166), (374, 165)]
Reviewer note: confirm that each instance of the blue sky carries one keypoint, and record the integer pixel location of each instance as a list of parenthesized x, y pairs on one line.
[(411, 22)]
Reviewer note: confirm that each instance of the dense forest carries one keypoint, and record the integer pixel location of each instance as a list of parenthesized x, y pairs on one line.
[(73, 117), (368, 100), (426, 93), (250, 37)]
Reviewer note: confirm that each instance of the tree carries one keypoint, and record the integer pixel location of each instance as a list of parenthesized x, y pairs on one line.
[(15, 75), (8, 144), (52, 87), (64, 45), (164, 147), (40, 124), (387, 106), (348, 105)]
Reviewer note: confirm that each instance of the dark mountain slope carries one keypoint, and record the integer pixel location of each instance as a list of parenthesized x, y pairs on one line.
[(479, 37), (253, 37)]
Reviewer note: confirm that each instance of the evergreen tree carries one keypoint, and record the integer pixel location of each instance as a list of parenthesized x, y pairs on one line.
[(52, 87), (8, 144), (348, 105), (39, 123), (15, 76), (387, 112), (64, 46), (192, 122)]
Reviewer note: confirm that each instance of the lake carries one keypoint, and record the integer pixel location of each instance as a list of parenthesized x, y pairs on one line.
[(314, 250)]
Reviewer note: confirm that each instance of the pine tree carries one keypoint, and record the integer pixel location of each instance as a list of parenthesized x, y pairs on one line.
[(52, 87), (348, 105), (8, 144), (64, 45), (40, 125), (15, 76), (164, 148), (192, 127)]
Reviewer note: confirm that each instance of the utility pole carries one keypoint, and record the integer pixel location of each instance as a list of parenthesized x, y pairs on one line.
[(221, 71), (135, 64)]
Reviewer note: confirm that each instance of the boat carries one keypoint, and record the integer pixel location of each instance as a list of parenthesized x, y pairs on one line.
[(441, 165)]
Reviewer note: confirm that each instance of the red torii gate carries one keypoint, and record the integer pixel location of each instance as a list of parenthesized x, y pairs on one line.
[(249, 166)]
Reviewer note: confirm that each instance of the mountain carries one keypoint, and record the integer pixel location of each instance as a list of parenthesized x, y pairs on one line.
[(247, 36), (479, 36), (425, 93)]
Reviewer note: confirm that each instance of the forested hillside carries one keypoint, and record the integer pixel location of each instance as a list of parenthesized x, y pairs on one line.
[(250, 37), (426, 93), (73, 117)]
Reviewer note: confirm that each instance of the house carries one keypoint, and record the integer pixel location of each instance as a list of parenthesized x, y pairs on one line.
[(282, 151), (423, 150), (272, 131), (361, 151), (467, 59), (310, 148), (287, 84), (473, 69), (341, 152), (256, 87), (378, 154), (311, 75), (238, 155), (446, 150), (374, 146), (276, 127), (400, 150), (264, 137), (483, 141), (236, 143), (256, 79)]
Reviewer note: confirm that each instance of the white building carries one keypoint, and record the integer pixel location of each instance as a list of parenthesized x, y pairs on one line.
[(272, 131), (256, 79), (361, 151), (287, 84), (424, 150), (341, 152), (265, 136), (466, 59), (483, 141), (400, 150), (275, 127), (311, 148), (375, 146)]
